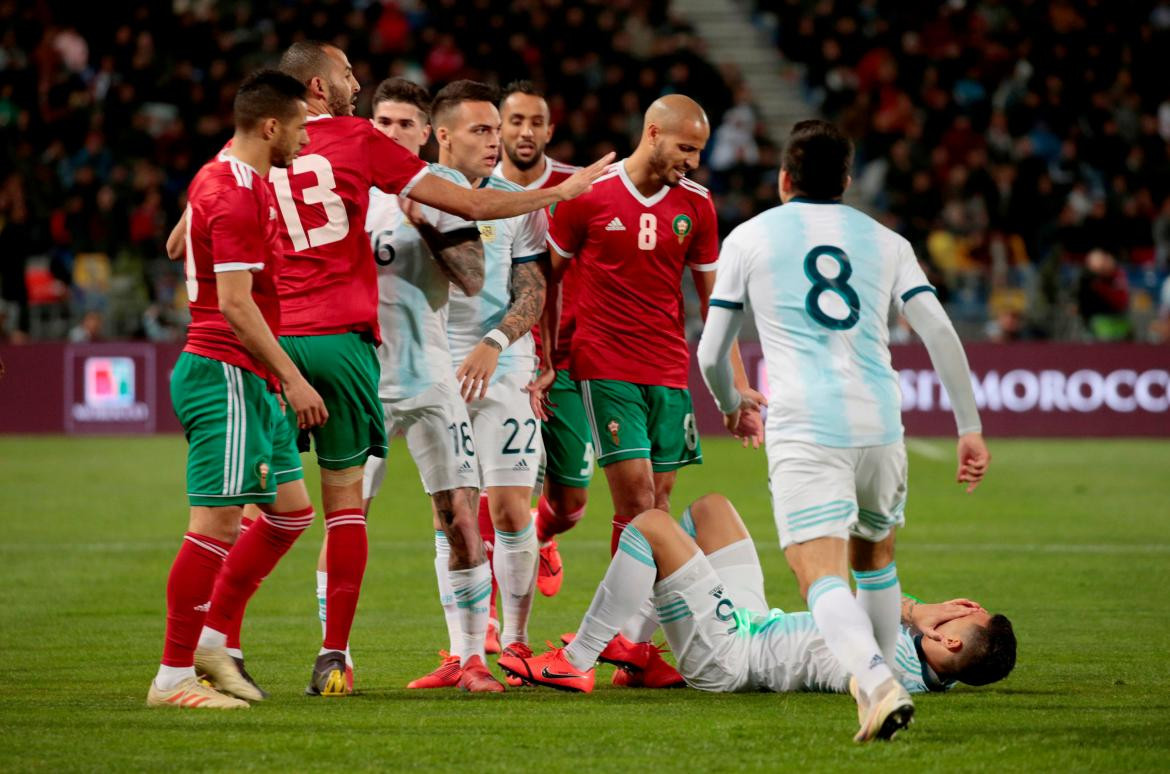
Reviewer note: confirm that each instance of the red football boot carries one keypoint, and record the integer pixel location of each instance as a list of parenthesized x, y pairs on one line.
[(515, 650), (477, 679), (446, 675), (551, 570), (550, 668)]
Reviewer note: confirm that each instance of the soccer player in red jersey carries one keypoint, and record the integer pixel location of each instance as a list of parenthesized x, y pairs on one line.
[(329, 299), (568, 447), (241, 449), (633, 235)]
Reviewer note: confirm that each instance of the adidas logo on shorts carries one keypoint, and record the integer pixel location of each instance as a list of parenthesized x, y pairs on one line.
[(465, 467), (521, 466), (615, 225)]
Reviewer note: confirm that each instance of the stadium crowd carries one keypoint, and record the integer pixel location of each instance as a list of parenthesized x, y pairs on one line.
[(970, 140), (1023, 147), (106, 118)]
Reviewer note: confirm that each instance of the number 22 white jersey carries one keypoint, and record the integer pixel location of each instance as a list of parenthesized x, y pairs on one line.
[(821, 279), (412, 294)]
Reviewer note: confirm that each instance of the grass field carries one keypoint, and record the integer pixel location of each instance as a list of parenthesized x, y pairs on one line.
[(1069, 538)]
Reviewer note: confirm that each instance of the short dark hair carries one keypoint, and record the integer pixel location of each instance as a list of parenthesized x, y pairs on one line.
[(305, 60), (456, 93), (520, 87), (266, 94), (991, 652), (402, 90), (817, 158)]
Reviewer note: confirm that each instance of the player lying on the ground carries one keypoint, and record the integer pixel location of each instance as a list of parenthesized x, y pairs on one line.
[(708, 590)]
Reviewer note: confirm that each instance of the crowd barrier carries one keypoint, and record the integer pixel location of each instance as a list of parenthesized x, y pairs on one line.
[(1032, 390)]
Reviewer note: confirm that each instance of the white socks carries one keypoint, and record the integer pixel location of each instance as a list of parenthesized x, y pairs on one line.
[(322, 593), (210, 638), (880, 595), (515, 558), (626, 587), (847, 631), (447, 594), (168, 677), (472, 588)]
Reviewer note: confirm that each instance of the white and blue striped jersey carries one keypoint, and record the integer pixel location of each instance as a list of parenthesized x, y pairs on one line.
[(506, 242), (821, 280), (788, 653), (412, 293)]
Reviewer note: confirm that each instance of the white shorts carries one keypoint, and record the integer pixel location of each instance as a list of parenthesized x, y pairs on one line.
[(507, 433), (820, 491), (439, 436), (697, 611)]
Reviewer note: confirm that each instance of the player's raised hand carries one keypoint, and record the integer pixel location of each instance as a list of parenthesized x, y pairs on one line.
[(475, 372), (538, 393), (305, 401), (411, 210), (973, 460), (582, 180), (927, 618)]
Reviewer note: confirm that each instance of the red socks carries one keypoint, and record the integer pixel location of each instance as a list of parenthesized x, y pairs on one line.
[(248, 564), (619, 526), (188, 591), (487, 532), (233, 632), (549, 523), (345, 561)]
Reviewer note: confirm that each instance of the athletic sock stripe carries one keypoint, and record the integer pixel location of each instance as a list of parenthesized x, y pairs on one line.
[(687, 522), (473, 590), (353, 522), (876, 585), (292, 524), (823, 585), (210, 547), (639, 556)]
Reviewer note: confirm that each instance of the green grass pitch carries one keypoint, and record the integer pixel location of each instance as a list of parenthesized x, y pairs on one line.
[(1069, 538)]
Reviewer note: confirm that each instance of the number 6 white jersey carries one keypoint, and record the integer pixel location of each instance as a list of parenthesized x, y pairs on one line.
[(821, 279), (412, 293)]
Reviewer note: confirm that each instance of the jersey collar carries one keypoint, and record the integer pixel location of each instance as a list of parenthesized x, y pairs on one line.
[(225, 156), (633, 189), (810, 200), (536, 184), (929, 676)]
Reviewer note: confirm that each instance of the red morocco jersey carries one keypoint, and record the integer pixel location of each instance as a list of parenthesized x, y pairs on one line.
[(231, 226), (328, 281), (631, 252), (555, 173)]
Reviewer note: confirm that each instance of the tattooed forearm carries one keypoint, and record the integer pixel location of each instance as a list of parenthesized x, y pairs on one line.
[(459, 255), (529, 282)]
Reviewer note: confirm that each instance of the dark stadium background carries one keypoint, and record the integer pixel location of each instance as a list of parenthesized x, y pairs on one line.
[(1023, 147)]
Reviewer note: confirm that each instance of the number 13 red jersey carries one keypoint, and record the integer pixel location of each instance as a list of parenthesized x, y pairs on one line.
[(328, 281), (631, 252)]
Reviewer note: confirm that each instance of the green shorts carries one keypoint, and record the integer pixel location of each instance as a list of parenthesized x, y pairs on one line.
[(638, 421), (343, 368), (239, 446), (568, 442)]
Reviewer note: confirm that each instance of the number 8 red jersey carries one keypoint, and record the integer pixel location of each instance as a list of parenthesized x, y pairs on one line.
[(328, 281), (631, 252)]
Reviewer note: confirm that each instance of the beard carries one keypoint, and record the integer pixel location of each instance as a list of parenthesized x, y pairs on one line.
[(662, 167), (340, 100), (524, 164)]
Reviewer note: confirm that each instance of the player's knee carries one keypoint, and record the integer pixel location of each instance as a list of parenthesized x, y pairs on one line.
[(653, 523), (715, 508), (568, 499)]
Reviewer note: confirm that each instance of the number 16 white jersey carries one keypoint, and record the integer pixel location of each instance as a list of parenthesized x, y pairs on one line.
[(821, 279)]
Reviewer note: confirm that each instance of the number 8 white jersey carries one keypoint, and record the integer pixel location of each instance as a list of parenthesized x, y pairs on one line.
[(821, 279)]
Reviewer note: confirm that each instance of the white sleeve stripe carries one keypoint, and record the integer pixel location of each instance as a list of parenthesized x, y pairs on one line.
[(560, 250), (704, 266), (406, 189), (238, 266)]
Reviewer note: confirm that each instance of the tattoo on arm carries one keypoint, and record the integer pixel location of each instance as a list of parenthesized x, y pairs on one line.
[(459, 255), (528, 288)]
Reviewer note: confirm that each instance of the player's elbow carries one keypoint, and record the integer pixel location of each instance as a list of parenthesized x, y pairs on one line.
[(176, 249)]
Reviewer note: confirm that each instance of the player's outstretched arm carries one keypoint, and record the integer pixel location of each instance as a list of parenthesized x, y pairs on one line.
[(527, 290), (234, 289), (177, 240), (929, 320), (458, 253), (491, 204)]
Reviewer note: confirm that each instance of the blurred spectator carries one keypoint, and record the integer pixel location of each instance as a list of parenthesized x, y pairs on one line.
[(1103, 297), (89, 329)]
